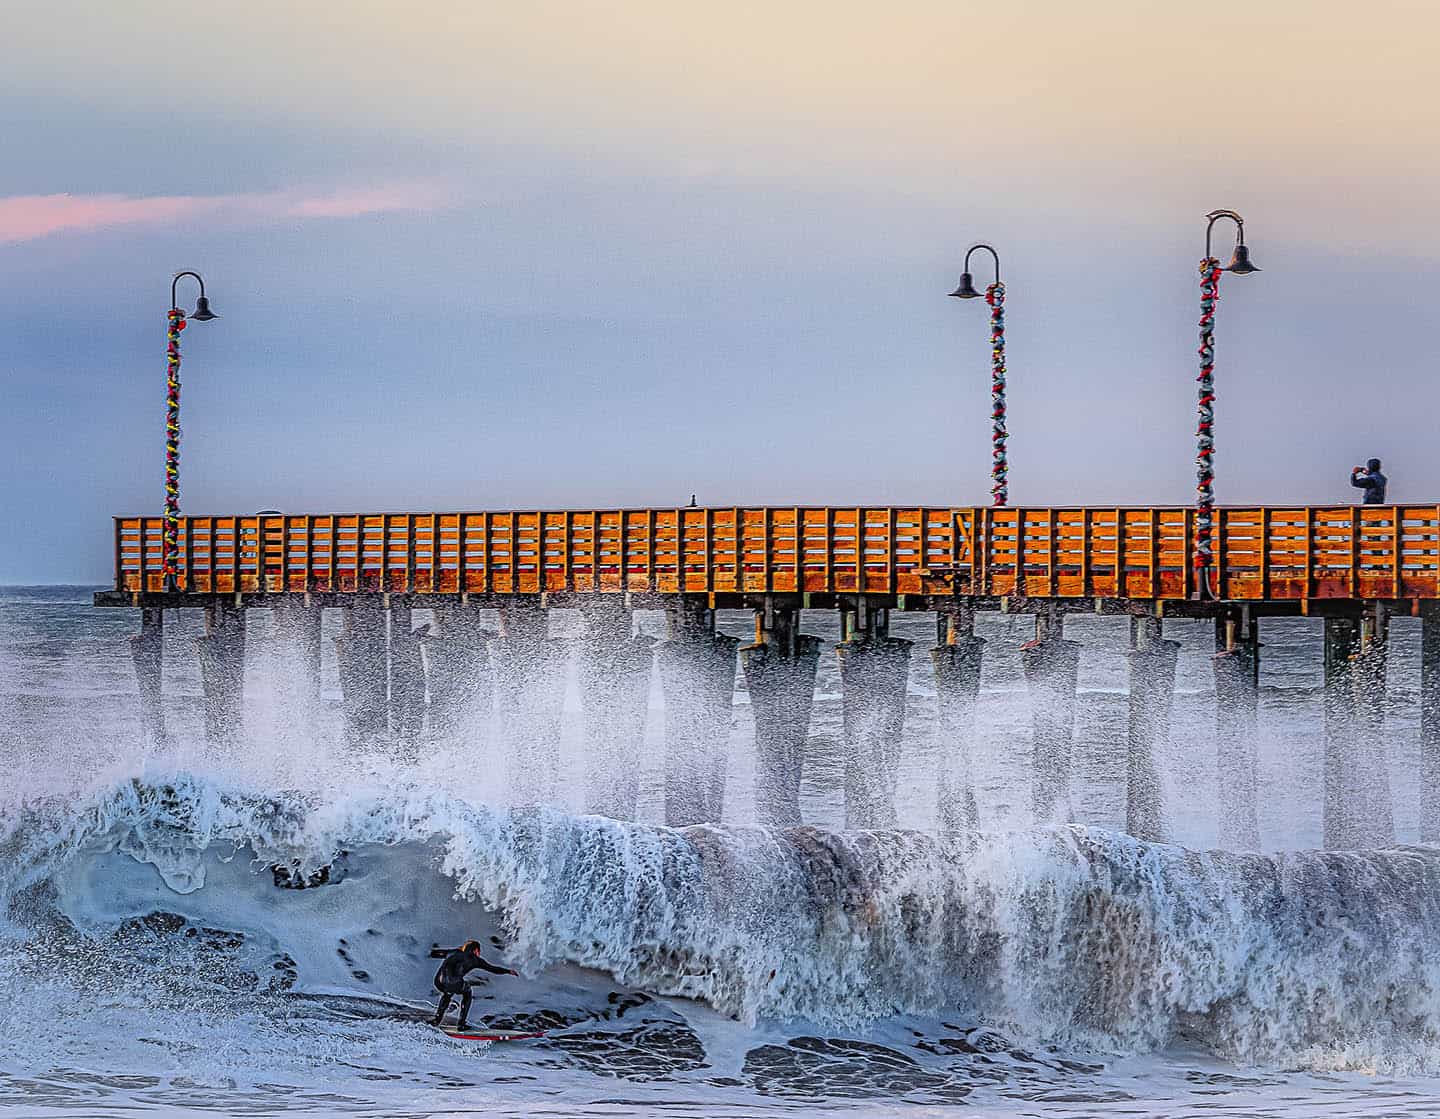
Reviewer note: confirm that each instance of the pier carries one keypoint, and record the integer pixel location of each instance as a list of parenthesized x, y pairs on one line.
[(1355, 567)]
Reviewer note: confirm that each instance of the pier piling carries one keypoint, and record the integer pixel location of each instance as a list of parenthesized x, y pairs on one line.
[(407, 676), (362, 656), (297, 634), (614, 670), (1236, 667), (147, 651), (1374, 814), (1430, 724), (1342, 639), (697, 680), (530, 677), (1153, 662), (1357, 804), (1052, 666), (957, 657), (874, 672), (222, 672), (458, 674), (780, 677)]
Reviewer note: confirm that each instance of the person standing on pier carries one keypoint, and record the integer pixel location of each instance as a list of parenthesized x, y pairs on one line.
[(1369, 479)]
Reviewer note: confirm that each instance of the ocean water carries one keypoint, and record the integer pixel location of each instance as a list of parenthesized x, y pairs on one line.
[(154, 960)]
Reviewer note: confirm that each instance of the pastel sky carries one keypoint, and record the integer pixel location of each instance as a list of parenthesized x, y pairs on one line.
[(479, 255)]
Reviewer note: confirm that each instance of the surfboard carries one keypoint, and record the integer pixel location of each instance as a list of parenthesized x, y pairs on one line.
[(481, 1033)]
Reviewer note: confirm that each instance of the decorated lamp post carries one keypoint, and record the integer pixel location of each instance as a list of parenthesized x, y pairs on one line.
[(170, 540), (1205, 424), (995, 297)]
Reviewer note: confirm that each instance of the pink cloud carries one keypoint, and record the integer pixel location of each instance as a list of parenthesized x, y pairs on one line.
[(26, 217), (415, 197), (29, 217)]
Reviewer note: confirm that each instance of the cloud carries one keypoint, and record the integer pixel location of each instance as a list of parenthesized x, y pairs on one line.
[(415, 197), (28, 217)]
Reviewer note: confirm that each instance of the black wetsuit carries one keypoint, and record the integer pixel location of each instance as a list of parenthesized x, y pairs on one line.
[(450, 980), (1372, 482)]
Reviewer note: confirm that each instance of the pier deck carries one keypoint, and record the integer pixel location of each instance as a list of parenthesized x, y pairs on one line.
[(1289, 556)]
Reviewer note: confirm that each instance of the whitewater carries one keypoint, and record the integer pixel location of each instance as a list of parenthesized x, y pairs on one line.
[(186, 931)]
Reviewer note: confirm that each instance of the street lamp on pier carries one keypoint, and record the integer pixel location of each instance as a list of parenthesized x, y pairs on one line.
[(1205, 424), (995, 296), (170, 539)]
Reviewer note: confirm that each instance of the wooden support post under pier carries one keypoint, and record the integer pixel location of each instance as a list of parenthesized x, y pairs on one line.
[(957, 657), (1430, 723), (458, 674), (407, 677), (874, 675), (1357, 799), (531, 670), (222, 673), (297, 633), (1236, 667), (147, 651), (362, 655), (1052, 667), (780, 677), (614, 670), (1374, 812), (1342, 639), (697, 679), (1153, 662)]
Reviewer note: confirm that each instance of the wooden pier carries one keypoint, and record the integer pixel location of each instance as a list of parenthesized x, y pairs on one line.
[(1285, 557), (1353, 566)]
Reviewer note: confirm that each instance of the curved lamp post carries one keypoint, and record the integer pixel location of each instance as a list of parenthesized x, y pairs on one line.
[(170, 541), (1205, 425), (995, 296)]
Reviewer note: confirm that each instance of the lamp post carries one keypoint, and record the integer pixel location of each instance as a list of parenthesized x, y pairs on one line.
[(170, 540), (995, 297), (1205, 424)]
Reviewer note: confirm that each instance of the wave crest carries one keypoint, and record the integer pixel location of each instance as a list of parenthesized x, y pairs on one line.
[(1072, 936)]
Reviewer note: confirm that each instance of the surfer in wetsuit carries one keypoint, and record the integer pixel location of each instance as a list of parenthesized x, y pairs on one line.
[(450, 979)]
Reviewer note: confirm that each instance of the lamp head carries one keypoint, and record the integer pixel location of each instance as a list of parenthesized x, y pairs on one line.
[(1240, 262), (966, 290), (202, 310)]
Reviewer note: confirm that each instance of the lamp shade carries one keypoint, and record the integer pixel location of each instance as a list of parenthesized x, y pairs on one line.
[(966, 290), (1240, 262)]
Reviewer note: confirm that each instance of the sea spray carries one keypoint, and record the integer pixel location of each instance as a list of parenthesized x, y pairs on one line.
[(1072, 937)]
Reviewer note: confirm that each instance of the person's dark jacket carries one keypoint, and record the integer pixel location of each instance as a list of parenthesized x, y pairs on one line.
[(1372, 482), (451, 976)]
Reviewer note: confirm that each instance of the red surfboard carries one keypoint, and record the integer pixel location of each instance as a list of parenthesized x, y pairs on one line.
[(473, 1033)]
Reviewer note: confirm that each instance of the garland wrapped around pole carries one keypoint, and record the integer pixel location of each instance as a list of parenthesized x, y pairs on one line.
[(1205, 430), (1000, 466), (171, 538)]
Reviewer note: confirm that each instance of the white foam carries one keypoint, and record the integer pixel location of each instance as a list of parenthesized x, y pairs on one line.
[(1072, 937)]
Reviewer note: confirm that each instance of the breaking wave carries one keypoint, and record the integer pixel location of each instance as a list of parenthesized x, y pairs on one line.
[(1072, 937)]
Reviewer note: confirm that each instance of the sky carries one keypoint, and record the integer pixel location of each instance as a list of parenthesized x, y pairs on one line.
[(479, 255)]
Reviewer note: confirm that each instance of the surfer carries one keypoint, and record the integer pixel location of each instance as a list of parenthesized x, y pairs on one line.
[(450, 979)]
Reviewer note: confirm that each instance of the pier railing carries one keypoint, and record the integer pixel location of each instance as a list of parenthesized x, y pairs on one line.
[(1335, 552)]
